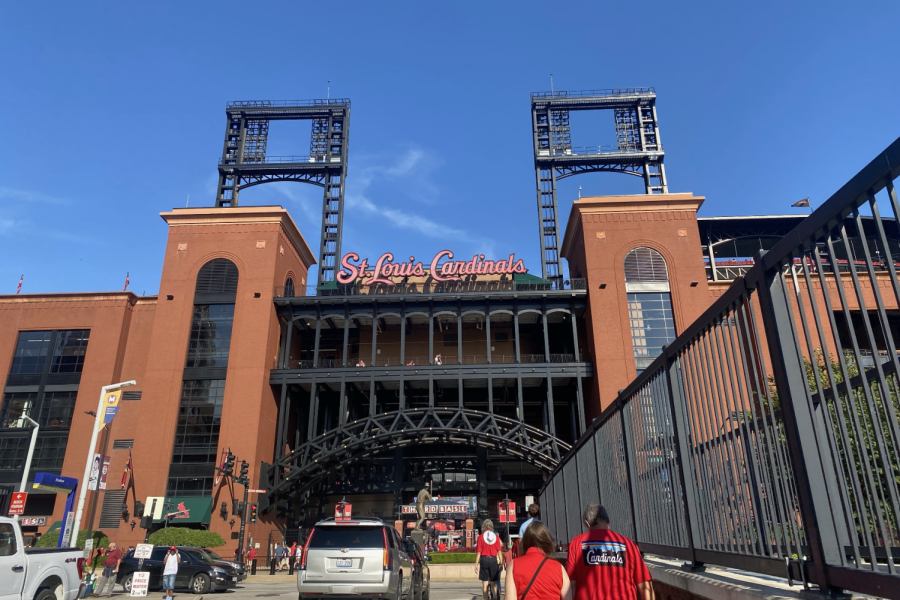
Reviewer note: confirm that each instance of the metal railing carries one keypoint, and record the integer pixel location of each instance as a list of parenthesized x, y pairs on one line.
[(595, 93), (764, 437), (597, 150), (424, 361), (282, 103), (269, 160), (438, 287)]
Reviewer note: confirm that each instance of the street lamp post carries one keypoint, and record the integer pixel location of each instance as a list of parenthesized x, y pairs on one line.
[(90, 457), (34, 434)]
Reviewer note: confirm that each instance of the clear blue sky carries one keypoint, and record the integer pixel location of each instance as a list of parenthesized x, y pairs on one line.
[(114, 112)]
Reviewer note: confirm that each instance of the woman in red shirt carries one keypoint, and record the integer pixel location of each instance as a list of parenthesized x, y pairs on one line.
[(536, 575)]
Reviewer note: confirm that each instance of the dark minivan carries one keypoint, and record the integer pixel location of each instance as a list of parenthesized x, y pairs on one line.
[(196, 571)]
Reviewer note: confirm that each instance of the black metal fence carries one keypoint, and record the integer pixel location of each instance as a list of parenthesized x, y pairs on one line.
[(766, 437)]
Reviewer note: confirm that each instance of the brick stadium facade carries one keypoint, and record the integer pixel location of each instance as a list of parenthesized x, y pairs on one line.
[(216, 366)]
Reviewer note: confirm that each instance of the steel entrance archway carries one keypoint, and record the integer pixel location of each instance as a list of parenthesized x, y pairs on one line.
[(299, 470)]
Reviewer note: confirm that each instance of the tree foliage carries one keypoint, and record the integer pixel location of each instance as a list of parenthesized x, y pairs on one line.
[(183, 536)]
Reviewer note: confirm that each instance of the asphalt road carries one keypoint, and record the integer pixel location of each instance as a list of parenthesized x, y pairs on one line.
[(283, 588)]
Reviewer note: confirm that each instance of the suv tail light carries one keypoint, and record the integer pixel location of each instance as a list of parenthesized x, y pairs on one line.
[(387, 552), (80, 566), (304, 552)]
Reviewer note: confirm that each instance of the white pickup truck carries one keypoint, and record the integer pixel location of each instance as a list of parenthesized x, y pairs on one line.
[(37, 573)]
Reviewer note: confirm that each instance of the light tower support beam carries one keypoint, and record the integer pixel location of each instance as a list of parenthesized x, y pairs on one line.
[(244, 162), (638, 151)]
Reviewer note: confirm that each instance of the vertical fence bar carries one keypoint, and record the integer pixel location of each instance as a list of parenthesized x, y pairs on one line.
[(790, 379), (629, 468), (681, 434)]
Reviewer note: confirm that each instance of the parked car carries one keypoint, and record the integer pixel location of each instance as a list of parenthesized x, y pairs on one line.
[(240, 567), (420, 568), (196, 571), (361, 557), (37, 573)]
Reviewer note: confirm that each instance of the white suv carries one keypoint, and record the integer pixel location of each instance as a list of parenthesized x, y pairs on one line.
[(355, 558)]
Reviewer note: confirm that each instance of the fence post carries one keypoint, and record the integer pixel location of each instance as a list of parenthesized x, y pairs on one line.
[(629, 452), (682, 435), (809, 472)]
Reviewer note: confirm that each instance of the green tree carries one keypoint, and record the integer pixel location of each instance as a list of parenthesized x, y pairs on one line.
[(183, 536), (51, 538)]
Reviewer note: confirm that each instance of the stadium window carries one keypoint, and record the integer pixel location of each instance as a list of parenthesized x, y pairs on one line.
[(649, 304), (31, 352)]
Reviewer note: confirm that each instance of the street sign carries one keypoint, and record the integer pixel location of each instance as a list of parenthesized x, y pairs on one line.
[(88, 546), (33, 521), (143, 550), (256, 491), (343, 515), (17, 504), (140, 582)]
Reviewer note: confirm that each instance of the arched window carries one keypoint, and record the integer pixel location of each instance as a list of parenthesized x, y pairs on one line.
[(218, 276), (645, 264), (289, 288), (649, 304)]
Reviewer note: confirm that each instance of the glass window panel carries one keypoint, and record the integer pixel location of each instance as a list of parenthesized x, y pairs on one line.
[(31, 352), (15, 406), (199, 421), (210, 338), (652, 325), (189, 486), (68, 354), (57, 409)]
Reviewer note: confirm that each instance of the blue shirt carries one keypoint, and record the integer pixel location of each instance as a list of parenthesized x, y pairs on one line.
[(525, 526)]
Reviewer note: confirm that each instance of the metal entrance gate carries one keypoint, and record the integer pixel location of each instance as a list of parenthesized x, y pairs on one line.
[(766, 437)]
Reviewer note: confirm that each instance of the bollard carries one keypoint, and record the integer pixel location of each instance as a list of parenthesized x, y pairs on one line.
[(253, 567), (272, 562), (291, 566)]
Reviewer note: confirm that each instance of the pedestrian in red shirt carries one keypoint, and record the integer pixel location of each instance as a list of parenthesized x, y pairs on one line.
[(489, 560), (251, 556), (442, 547), (110, 570), (604, 565), (535, 575)]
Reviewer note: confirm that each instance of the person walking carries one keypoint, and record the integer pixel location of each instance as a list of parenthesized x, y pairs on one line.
[(489, 561), (605, 565), (535, 575), (170, 570), (251, 556), (533, 511), (110, 569), (279, 555)]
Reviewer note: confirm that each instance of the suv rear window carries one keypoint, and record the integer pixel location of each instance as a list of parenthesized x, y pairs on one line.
[(347, 537)]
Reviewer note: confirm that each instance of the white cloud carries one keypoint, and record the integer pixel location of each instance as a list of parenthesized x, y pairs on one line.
[(411, 169), (29, 196)]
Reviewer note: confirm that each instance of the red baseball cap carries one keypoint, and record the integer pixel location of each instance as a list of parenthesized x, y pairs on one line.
[(173, 548)]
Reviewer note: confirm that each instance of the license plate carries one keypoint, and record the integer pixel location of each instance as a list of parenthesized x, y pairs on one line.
[(344, 563), (234, 578)]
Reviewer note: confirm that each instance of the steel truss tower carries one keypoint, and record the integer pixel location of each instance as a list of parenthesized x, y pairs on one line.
[(244, 162), (638, 151)]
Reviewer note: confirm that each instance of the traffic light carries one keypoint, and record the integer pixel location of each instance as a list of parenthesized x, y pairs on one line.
[(235, 507), (245, 468), (253, 508), (228, 471), (138, 509), (241, 507)]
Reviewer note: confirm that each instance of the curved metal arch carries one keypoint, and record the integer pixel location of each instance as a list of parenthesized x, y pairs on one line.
[(594, 169), (550, 311), (304, 467), (417, 314), (473, 312), (445, 312), (501, 311), (390, 314), (272, 178)]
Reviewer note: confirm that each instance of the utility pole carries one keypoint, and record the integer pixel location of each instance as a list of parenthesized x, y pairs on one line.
[(90, 457), (90, 524)]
